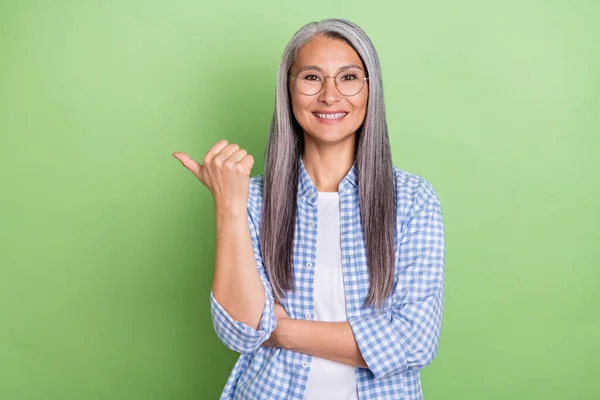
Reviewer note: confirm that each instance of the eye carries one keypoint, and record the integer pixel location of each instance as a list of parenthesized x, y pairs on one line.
[(349, 77), (312, 77)]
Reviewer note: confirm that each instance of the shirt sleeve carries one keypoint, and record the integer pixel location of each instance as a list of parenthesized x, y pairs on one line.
[(406, 334), (237, 335)]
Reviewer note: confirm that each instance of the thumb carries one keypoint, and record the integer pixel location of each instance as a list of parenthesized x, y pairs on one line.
[(188, 162)]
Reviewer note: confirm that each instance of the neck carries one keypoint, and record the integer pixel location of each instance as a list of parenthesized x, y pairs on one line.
[(327, 164)]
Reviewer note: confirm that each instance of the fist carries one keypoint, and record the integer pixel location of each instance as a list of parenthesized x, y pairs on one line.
[(225, 171)]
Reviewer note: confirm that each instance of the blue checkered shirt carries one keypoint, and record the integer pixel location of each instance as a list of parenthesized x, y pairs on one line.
[(396, 341)]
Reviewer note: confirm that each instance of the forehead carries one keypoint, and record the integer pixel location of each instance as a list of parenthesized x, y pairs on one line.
[(327, 53)]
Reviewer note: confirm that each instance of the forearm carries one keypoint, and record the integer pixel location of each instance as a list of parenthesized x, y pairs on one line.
[(236, 282), (329, 340)]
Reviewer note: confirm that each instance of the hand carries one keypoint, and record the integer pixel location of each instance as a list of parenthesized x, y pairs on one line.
[(225, 172), (275, 340)]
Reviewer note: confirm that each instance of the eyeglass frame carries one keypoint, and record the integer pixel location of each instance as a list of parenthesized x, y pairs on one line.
[(334, 82)]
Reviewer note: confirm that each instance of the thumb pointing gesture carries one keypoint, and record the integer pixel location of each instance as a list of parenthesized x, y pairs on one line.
[(190, 164), (225, 171)]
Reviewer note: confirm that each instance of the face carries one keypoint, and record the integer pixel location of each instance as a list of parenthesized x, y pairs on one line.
[(328, 116)]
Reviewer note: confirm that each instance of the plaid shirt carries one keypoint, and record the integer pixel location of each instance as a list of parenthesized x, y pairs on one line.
[(396, 341)]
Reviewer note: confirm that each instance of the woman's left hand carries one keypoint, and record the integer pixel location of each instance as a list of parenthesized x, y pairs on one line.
[(275, 340)]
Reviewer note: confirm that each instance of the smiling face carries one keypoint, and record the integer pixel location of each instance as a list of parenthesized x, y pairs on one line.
[(328, 116)]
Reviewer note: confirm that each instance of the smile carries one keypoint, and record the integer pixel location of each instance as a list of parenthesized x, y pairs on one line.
[(330, 117)]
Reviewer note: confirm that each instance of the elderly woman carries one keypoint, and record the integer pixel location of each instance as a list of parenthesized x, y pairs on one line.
[(329, 270)]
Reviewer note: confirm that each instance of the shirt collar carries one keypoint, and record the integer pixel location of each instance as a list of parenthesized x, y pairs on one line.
[(307, 190)]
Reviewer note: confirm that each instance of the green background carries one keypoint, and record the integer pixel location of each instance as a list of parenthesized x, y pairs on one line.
[(107, 242)]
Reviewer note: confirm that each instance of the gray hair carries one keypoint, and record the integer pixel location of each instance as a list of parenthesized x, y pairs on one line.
[(373, 166)]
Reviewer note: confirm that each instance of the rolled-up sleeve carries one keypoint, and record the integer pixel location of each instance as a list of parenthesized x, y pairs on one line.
[(237, 335), (406, 334)]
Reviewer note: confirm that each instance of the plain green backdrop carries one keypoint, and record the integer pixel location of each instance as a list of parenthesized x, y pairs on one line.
[(107, 242)]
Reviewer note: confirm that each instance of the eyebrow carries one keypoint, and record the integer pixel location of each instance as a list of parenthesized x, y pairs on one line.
[(344, 67)]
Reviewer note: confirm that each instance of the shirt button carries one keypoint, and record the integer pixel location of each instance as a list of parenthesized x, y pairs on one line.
[(308, 264), (304, 364), (311, 224), (307, 316)]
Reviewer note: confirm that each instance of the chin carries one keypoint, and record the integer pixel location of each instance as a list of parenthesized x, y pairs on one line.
[(330, 135)]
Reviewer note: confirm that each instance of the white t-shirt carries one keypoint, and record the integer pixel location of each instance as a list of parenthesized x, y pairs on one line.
[(329, 380)]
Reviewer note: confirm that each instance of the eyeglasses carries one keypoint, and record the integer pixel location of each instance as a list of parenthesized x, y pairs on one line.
[(348, 82)]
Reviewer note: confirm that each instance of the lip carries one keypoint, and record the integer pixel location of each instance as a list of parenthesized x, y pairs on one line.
[(329, 121), (330, 111)]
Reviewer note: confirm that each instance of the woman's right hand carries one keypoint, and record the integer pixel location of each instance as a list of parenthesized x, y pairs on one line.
[(225, 171)]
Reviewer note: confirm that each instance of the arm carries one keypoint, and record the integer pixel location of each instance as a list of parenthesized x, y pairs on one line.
[(402, 337), (241, 297), (329, 340), (407, 335)]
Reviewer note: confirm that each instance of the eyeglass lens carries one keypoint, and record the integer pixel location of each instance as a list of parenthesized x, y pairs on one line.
[(349, 82)]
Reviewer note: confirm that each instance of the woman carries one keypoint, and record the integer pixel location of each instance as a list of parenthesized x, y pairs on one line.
[(329, 270)]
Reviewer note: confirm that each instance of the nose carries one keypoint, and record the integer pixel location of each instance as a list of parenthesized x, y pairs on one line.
[(329, 94)]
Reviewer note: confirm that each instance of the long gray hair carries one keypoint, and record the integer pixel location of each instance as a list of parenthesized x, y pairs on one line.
[(373, 166)]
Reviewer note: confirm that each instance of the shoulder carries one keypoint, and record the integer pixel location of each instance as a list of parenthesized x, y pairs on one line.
[(413, 193)]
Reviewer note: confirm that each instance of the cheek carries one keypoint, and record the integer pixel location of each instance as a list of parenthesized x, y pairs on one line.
[(364, 100), (361, 106), (299, 107), (297, 111)]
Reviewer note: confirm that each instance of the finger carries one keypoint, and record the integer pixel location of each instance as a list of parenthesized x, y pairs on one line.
[(189, 163), (247, 162), (238, 155), (229, 150), (217, 147), (223, 157), (214, 151)]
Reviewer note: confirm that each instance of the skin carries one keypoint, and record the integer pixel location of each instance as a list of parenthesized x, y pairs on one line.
[(328, 156), (328, 148)]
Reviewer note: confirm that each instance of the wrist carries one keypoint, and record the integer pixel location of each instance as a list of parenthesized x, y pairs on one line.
[(230, 212)]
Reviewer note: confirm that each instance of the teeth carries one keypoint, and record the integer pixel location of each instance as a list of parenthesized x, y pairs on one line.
[(330, 116)]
